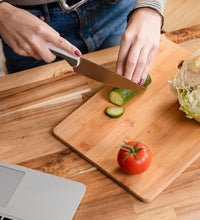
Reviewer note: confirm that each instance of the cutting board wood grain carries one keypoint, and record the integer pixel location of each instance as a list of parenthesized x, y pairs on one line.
[(152, 116)]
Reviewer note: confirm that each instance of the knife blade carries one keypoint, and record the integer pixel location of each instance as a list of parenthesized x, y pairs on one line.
[(94, 71)]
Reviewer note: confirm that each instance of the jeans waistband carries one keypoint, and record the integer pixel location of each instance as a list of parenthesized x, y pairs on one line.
[(71, 3), (55, 4), (32, 7), (45, 7), (50, 5)]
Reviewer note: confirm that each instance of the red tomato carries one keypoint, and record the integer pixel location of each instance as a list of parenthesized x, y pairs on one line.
[(134, 157)]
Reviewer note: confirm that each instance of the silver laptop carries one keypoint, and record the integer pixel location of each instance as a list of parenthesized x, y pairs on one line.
[(27, 194)]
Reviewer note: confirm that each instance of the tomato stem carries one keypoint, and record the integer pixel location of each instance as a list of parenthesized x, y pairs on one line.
[(132, 150)]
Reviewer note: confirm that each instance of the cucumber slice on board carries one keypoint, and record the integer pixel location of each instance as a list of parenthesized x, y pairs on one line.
[(120, 97), (114, 112)]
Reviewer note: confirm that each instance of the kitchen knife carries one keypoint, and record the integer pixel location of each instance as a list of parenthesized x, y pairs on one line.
[(95, 71)]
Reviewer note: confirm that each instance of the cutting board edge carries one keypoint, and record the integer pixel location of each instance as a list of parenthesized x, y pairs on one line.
[(146, 199), (99, 168)]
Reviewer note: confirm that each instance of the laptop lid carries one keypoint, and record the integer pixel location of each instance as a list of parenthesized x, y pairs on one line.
[(27, 194)]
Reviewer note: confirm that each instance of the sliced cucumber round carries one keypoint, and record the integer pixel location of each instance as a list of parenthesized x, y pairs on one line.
[(114, 112)]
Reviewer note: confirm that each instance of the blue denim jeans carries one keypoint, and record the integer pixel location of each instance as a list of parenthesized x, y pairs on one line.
[(95, 25)]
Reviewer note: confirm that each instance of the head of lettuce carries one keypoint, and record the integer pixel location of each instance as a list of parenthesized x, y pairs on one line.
[(186, 86)]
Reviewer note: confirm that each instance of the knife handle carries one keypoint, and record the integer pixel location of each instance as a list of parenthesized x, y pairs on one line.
[(72, 60)]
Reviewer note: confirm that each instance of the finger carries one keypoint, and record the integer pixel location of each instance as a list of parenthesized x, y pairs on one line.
[(23, 49), (147, 66), (30, 51), (121, 60), (15, 45), (63, 44), (131, 62), (140, 66), (21, 52), (41, 50), (66, 45), (51, 36), (38, 49)]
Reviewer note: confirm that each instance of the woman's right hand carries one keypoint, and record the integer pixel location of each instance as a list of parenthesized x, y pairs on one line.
[(139, 44), (27, 35)]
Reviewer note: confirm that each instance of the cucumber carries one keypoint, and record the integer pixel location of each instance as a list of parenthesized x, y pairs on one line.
[(114, 112), (120, 97)]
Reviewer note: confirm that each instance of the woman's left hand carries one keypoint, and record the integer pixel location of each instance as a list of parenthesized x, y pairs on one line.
[(139, 44)]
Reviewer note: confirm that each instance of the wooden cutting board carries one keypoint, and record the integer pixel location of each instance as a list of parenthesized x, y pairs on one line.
[(152, 116)]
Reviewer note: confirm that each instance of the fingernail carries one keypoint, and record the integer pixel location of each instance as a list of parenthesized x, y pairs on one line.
[(141, 81), (78, 53)]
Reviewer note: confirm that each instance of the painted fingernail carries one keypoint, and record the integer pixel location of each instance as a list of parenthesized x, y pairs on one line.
[(78, 53), (141, 81)]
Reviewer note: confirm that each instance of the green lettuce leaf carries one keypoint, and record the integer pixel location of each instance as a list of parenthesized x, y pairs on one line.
[(190, 102)]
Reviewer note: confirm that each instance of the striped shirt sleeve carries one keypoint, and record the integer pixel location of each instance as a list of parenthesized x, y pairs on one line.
[(158, 5)]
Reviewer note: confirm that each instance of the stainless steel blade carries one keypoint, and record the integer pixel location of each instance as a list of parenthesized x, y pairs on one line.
[(101, 74), (95, 71)]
